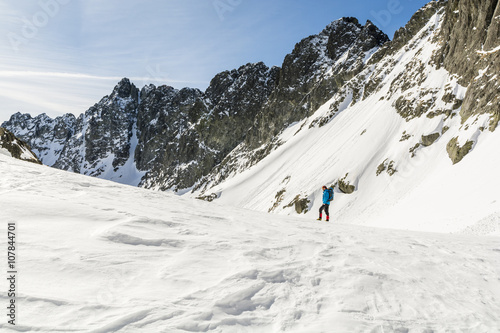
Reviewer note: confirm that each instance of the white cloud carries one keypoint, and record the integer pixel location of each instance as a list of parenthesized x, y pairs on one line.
[(155, 76)]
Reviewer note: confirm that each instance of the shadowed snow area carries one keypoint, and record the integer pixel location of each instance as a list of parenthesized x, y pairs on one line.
[(96, 256)]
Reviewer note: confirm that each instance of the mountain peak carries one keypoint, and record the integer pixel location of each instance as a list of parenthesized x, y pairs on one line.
[(125, 89), (347, 33), (343, 21), (349, 19)]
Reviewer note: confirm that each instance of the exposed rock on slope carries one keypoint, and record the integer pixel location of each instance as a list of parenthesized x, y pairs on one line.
[(470, 41), (12, 146)]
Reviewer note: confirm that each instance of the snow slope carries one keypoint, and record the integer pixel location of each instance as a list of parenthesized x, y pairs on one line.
[(426, 193), (97, 256)]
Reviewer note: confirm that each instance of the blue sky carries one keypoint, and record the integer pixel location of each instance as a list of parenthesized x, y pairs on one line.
[(59, 56)]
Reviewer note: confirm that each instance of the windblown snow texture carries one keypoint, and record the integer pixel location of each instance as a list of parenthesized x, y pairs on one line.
[(97, 256)]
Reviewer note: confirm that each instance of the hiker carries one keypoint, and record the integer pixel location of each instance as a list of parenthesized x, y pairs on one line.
[(327, 197)]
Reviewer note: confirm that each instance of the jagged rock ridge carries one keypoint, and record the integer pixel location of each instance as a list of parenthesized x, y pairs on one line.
[(158, 137), (471, 49)]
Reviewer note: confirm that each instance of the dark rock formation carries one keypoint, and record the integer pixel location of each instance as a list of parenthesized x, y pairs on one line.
[(428, 140), (300, 203), (345, 186), (16, 147), (183, 135), (457, 152), (471, 38), (317, 67)]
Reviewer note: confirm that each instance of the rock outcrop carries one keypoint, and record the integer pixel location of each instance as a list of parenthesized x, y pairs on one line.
[(16, 148), (471, 49)]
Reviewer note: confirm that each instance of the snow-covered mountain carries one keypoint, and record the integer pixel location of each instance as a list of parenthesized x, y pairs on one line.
[(164, 138), (157, 136), (400, 140), (393, 125), (97, 256)]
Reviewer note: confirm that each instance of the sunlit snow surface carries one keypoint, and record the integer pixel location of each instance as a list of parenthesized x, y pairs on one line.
[(97, 256)]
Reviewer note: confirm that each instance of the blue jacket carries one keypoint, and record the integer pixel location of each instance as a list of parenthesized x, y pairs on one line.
[(326, 196)]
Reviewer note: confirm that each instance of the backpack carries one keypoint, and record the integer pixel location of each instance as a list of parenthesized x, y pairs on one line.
[(330, 194)]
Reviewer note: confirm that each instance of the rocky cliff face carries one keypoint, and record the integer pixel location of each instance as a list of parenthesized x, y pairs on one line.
[(101, 139), (164, 138), (46, 136), (470, 41), (184, 134), (16, 148), (97, 143), (315, 70)]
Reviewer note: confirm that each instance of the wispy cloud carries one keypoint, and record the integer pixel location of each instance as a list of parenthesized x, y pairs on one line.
[(31, 74), (154, 76)]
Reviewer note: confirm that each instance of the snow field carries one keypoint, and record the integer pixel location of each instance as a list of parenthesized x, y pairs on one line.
[(96, 256)]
